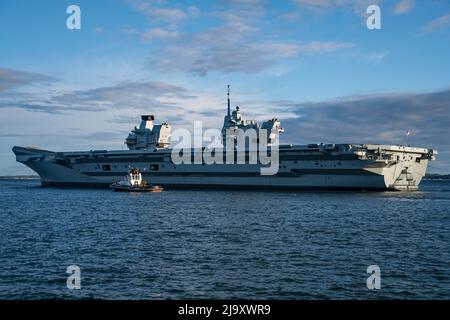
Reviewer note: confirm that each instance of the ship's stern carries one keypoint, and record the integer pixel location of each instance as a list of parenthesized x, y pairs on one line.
[(408, 169)]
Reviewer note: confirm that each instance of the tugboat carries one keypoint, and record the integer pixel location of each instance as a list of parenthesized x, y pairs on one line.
[(133, 182)]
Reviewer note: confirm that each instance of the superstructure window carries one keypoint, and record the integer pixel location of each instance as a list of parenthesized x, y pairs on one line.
[(154, 167), (106, 167)]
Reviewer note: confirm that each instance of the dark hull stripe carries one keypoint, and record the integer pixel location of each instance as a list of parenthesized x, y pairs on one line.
[(293, 173), (111, 159)]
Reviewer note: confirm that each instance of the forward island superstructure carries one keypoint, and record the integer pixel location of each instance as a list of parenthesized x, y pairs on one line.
[(312, 166)]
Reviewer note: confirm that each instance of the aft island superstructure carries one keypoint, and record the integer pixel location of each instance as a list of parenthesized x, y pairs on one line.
[(311, 166)]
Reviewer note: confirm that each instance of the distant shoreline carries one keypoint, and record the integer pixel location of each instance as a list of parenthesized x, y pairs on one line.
[(435, 176), (20, 177)]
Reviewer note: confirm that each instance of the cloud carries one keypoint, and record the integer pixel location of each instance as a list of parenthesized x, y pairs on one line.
[(403, 6), (251, 7), (104, 136), (233, 47), (374, 118), (127, 29), (158, 13), (439, 23), (159, 33), (292, 16), (166, 14), (139, 95), (358, 6), (13, 79), (193, 11), (248, 58), (165, 20), (235, 44), (247, 2), (320, 3), (376, 57)]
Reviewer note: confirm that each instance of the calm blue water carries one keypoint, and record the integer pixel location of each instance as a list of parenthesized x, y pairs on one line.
[(213, 244)]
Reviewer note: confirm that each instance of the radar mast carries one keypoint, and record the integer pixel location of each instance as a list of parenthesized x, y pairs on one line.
[(228, 95)]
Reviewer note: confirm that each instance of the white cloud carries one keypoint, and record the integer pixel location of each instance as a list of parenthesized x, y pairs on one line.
[(159, 33), (167, 14), (247, 2), (200, 58), (193, 11), (439, 23), (358, 6), (376, 57), (320, 3), (235, 46), (157, 11), (403, 6)]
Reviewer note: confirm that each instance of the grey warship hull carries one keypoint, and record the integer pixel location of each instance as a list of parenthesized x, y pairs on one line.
[(309, 167)]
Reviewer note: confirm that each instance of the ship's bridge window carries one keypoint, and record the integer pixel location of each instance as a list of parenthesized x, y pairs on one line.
[(106, 167)]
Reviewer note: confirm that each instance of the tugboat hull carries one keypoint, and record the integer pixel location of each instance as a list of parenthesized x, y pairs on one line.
[(136, 189)]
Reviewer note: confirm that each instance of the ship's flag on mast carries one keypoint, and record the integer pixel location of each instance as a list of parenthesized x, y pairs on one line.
[(409, 132)]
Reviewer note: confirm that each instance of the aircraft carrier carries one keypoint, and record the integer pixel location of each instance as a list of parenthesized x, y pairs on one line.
[(298, 167)]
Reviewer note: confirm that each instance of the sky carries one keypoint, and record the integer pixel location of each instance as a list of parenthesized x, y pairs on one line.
[(313, 64)]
